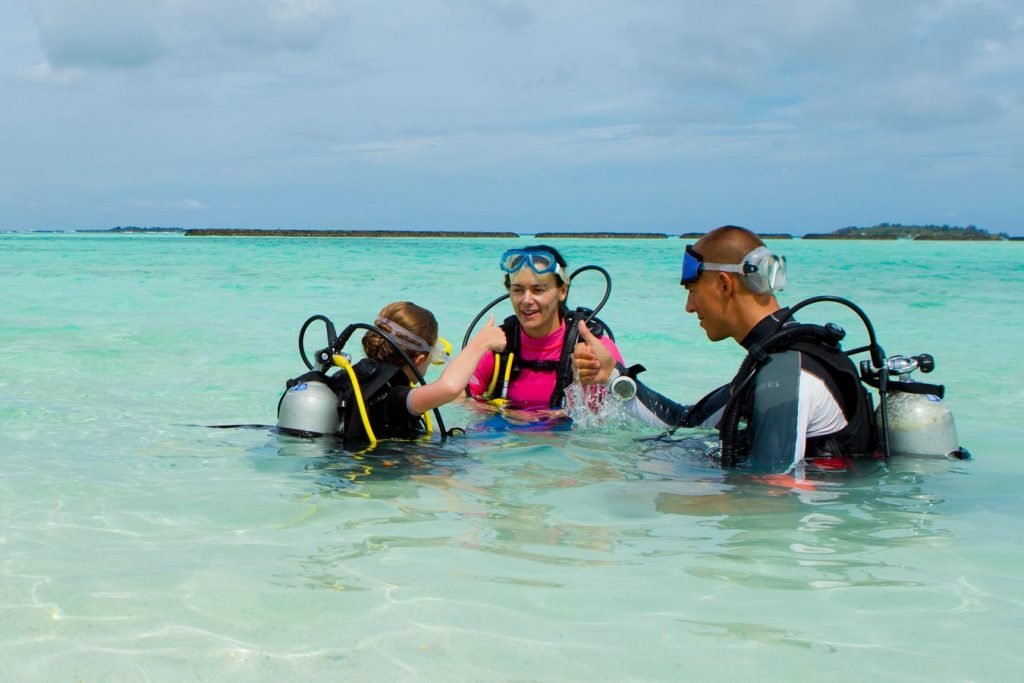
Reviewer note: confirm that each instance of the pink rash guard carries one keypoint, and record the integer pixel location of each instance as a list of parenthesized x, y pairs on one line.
[(531, 389)]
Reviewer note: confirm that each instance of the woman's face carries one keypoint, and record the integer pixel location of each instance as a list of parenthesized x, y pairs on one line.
[(536, 300)]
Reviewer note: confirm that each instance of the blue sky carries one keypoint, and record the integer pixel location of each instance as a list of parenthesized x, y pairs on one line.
[(653, 115)]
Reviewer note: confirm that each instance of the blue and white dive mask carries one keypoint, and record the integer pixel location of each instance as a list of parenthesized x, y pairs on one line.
[(761, 271)]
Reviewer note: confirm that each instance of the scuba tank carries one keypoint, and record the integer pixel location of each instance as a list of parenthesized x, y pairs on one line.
[(919, 423), (308, 407)]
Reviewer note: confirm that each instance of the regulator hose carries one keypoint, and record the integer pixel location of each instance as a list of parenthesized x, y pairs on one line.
[(331, 336)]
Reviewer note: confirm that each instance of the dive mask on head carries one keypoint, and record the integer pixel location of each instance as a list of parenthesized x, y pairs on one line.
[(761, 271), (411, 342), (539, 262)]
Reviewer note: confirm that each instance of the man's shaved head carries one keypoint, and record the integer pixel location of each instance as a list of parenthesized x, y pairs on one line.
[(727, 244)]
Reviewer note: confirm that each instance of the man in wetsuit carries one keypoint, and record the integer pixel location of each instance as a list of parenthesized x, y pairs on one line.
[(806, 403)]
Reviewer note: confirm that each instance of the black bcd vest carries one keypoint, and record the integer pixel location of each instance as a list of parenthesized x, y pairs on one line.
[(563, 367)]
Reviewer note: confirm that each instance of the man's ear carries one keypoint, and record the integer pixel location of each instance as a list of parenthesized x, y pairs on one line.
[(725, 283)]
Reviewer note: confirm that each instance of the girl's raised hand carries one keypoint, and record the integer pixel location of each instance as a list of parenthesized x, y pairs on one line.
[(491, 337)]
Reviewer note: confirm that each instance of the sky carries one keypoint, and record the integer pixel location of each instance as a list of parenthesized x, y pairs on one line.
[(524, 115)]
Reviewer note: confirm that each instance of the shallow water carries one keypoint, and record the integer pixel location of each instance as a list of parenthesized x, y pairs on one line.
[(137, 544)]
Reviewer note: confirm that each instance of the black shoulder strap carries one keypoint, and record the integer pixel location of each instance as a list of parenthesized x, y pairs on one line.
[(510, 326), (564, 372), (373, 375), (860, 434), (311, 376)]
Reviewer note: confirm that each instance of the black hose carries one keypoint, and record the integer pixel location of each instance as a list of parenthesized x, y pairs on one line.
[(877, 354), (331, 336), (469, 330), (607, 288)]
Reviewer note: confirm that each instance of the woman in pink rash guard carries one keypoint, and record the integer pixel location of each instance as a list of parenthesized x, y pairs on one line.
[(537, 283)]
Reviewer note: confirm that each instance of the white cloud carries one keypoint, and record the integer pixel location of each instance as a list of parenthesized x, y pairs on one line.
[(179, 98)]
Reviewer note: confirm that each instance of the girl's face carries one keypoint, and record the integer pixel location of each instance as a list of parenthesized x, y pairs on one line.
[(536, 300)]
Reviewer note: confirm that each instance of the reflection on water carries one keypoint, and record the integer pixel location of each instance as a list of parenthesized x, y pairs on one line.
[(596, 499), (345, 469), (800, 535)]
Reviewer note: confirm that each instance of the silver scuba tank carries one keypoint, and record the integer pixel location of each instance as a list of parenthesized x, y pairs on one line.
[(309, 407), (919, 424)]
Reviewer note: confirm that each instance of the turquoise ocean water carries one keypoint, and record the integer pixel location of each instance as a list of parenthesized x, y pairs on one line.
[(138, 545)]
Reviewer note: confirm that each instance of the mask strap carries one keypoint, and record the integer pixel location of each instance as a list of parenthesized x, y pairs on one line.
[(410, 341), (761, 270)]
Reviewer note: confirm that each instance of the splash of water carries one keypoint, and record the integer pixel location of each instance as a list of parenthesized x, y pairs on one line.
[(593, 408)]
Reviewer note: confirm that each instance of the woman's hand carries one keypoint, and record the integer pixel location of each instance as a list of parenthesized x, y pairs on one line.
[(593, 361)]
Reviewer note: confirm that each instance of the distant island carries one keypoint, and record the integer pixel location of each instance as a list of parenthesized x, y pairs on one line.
[(136, 229), (244, 232), (882, 231), (896, 231), (605, 235)]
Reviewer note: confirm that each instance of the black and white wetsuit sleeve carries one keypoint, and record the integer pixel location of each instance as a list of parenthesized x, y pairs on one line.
[(790, 405), (649, 406)]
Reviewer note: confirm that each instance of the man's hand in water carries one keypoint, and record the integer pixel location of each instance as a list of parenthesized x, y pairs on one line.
[(593, 361)]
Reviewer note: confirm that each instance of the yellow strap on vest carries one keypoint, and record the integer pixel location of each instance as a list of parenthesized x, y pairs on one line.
[(426, 415), (343, 362)]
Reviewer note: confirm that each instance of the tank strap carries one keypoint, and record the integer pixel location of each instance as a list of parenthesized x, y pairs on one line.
[(373, 376), (311, 376), (910, 387), (544, 365)]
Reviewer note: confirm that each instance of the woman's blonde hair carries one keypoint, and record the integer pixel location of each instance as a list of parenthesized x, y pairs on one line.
[(409, 316)]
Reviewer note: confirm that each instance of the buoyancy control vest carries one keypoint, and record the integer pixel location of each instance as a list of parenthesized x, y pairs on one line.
[(376, 379), (563, 367), (859, 436), (822, 356)]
